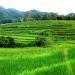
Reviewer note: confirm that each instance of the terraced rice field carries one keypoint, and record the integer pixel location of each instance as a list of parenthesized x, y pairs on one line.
[(56, 59)]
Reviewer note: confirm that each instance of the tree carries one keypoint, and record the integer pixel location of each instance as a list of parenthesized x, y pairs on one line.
[(45, 17), (53, 16), (71, 16), (60, 17)]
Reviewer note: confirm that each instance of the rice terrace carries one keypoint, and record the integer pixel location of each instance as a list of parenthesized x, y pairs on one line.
[(37, 37), (38, 48)]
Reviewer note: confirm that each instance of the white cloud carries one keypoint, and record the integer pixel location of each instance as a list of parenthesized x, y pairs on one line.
[(61, 6)]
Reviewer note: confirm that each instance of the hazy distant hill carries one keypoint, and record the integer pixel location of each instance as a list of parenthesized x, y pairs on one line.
[(15, 14), (10, 13)]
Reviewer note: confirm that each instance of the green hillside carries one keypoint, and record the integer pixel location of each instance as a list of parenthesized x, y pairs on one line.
[(58, 58), (27, 31)]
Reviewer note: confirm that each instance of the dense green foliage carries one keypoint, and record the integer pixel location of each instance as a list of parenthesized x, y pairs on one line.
[(37, 15), (6, 41)]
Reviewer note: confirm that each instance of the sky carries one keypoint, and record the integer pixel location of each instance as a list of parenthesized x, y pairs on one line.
[(59, 6)]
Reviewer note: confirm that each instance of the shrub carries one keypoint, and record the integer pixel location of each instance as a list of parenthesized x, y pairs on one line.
[(40, 41), (6, 41), (11, 41), (43, 39)]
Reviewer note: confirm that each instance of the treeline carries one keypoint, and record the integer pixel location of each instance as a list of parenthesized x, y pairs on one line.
[(36, 15)]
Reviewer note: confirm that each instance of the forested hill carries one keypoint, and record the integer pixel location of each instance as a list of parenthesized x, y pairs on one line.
[(12, 15)]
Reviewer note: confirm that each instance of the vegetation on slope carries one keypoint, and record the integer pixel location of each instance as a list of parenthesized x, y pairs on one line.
[(37, 61), (55, 59), (38, 33)]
